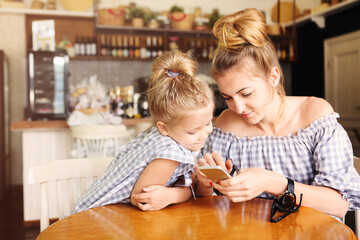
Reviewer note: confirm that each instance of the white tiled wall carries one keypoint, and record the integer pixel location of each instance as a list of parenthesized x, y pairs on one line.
[(116, 73)]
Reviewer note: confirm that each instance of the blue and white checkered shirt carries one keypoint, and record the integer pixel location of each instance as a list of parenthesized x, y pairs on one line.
[(319, 155), (116, 184)]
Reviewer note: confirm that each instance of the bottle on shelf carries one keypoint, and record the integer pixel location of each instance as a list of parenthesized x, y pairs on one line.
[(102, 45), (129, 111), (154, 50), (82, 46), (143, 50), (127, 94), (114, 50), (160, 46), (125, 47), (94, 46), (123, 102), (136, 107), (112, 102), (108, 45), (143, 105), (137, 47), (118, 103), (148, 47), (77, 46), (119, 46), (131, 47), (88, 48)]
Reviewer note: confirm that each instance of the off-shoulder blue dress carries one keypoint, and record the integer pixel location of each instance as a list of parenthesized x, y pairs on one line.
[(319, 155)]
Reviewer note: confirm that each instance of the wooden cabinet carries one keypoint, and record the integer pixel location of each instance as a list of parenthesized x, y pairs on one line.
[(73, 27), (65, 26)]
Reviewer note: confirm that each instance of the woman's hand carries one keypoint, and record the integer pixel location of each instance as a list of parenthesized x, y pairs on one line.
[(246, 185)]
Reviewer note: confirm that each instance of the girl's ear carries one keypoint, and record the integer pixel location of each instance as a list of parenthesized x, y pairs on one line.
[(162, 128), (274, 77)]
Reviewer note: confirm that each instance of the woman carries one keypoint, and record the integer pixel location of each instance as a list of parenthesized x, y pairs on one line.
[(271, 139)]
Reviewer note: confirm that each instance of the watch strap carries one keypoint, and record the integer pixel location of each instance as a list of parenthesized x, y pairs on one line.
[(290, 188), (291, 185)]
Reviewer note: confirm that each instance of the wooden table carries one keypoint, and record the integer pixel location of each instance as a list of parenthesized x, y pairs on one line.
[(204, 218)]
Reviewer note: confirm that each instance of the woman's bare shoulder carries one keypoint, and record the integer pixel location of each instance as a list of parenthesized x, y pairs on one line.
[(313, 108)]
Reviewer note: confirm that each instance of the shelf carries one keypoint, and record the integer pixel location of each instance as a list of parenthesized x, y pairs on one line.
[(46, 12), (318, 17), (150, 31), (110, 58)]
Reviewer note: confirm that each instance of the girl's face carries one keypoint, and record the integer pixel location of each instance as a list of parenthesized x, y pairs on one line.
[(246, 94), (192, 130)]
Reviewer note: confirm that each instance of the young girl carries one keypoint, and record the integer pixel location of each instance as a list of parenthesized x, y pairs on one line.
[(156, 167), (277, 143)]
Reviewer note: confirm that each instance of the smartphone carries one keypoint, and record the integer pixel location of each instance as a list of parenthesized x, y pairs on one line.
[(215, 173)]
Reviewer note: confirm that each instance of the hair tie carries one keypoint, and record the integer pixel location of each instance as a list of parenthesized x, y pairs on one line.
[(172, 74)]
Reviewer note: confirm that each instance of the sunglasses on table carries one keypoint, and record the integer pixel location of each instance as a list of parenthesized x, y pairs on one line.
[(286, 204)]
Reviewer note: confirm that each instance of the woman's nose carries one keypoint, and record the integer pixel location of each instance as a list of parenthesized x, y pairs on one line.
[(239, 106)]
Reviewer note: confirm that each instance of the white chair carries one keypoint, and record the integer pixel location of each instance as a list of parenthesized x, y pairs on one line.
[(357, 212), (71, 177), (100, 140)]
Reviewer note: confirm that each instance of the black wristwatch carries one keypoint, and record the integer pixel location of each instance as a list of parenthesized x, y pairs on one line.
[(287, 199)]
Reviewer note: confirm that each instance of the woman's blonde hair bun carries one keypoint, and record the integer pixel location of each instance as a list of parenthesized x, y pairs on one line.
[(244, 27)]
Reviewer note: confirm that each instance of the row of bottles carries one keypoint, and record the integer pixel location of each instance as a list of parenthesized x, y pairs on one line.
[(127, 104), (131, 46), (85, 46), (142, 47), (148, 47)]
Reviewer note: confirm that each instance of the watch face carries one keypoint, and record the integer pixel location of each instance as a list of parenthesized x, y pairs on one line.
[(288, 201)]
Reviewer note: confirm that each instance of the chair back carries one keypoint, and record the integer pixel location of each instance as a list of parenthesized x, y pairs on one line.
[(100, 140), (70, 177)]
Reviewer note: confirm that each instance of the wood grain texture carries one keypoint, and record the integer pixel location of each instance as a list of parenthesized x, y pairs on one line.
[(204, 218)]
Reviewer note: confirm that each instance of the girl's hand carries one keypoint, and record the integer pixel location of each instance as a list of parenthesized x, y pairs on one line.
[(152, 198), (246, 185)]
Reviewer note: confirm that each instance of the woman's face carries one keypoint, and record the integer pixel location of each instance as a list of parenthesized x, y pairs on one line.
[(246, 94)]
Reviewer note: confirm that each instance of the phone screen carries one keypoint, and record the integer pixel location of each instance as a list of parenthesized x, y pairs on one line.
[(215, 173)]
